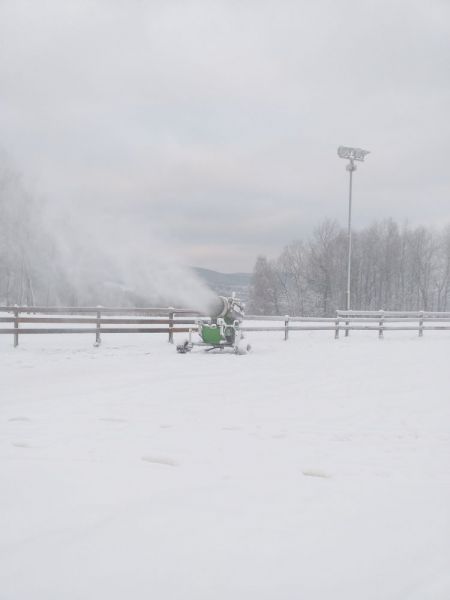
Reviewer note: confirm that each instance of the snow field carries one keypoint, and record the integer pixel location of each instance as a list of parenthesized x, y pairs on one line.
[(311, 468)]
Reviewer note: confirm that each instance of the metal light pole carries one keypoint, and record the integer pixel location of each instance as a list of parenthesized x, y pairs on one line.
[(351, 154)]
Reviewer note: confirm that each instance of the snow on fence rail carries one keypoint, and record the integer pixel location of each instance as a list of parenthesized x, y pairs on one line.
[(182, 320)]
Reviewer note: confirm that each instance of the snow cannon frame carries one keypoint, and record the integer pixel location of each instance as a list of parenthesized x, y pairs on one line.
[(221, 330)]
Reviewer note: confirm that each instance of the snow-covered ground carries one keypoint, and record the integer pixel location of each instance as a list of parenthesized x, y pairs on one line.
[(308, 469)]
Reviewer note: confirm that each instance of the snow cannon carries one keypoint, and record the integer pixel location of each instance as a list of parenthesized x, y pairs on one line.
[(221, 329)]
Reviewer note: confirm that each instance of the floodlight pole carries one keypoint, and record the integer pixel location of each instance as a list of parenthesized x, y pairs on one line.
[(351, 154), (350, 168)]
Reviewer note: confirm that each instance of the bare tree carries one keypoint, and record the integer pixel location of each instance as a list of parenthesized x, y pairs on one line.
[(292, 273), (265, 290)]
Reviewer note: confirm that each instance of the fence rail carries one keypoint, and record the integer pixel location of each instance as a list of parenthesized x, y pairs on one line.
[(104, 320)]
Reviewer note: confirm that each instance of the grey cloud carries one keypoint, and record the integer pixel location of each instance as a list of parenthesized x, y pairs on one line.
[(217, 122)]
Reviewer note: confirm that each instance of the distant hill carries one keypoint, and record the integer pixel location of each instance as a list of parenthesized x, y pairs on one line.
[(224, 284)]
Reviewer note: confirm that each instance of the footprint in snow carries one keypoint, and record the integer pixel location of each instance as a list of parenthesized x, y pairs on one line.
[(316, 473), (112, 420), (160, 460), (12, 419), (21, 445)]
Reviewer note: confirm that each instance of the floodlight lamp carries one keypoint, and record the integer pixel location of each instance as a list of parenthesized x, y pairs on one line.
[(352, 153)]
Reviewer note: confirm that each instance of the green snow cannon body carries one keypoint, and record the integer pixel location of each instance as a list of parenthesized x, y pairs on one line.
[(222, 329)]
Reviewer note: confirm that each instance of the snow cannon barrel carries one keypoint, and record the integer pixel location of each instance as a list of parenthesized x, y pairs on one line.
[(228, 309)]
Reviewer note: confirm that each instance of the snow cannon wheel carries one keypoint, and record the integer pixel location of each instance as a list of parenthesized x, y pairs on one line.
[(183, 348), (241, 349)]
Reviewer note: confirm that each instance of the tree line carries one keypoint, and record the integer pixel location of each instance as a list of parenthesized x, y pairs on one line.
[(393, 268)]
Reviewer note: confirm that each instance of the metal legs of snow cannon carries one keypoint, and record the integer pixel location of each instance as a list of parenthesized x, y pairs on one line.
[(239, 349)]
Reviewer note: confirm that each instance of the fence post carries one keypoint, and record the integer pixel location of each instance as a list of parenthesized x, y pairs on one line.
[(347, 325), (286, 327), (336, 328), (171, 316), (16, 326), (98, 339), (421, 324), (381, 325)]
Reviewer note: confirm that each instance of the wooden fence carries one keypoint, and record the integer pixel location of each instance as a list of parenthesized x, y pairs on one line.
[(99, 320), (353, 320), (96, 320)]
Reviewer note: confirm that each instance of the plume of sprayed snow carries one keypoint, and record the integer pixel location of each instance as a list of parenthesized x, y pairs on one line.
[(83, 255), (111, 260)]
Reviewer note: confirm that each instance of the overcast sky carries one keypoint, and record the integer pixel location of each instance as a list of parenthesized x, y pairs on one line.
[(215, 123)]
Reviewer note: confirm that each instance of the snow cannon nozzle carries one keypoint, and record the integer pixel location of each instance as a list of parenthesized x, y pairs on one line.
[(228, 309)]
